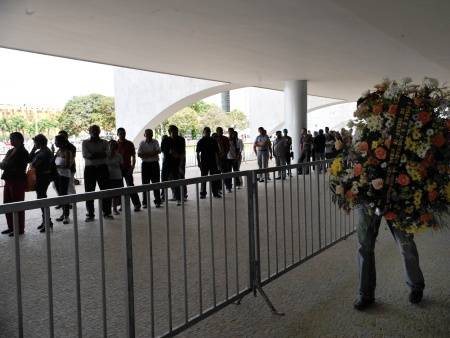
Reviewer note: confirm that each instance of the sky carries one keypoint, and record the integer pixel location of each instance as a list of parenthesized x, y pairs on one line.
[(35, 79)]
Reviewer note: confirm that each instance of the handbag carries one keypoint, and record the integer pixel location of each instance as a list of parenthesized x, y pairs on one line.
[(31, 179)]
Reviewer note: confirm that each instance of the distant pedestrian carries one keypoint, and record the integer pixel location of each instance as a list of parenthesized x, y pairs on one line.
[(233, 157), (289, 154), (63, 162), (263, 150), (73, 168), (14, 165), (149, 151), (95, 153), (280, 151), (319, 148), (306, 142), (115, 163), (128, 152), (42, 158), (207, 157)]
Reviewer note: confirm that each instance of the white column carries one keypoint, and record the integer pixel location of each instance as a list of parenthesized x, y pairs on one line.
[(295, 112)]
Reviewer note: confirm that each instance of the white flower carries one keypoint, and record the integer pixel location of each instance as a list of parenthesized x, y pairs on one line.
[(430, 132), (389, 123), (383, 165), (374, 123), (430, 83), (403, 159), (418, 124)]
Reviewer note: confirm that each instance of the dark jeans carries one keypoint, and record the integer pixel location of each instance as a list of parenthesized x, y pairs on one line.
[(128, 176), (150, 173), (93, 175), (118, 183), (211, 169), (368, 226), (14, 191), (305, 157), (233, 165), (173, 171), (62, 187), (42, 183), (319, 156)]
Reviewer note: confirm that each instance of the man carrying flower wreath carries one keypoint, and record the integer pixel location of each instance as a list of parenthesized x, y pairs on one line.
[(399, 169)]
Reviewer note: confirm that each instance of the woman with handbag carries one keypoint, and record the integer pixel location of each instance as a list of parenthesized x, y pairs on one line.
[(14, 165), (63, 161), (41, 162)]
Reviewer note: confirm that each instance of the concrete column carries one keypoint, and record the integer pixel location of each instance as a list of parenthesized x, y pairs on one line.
[(295, 112)]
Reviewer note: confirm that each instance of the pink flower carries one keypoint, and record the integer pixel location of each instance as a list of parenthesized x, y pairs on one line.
[(377, 183)]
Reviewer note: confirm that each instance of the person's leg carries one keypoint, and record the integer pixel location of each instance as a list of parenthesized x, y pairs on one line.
[(277, 164), (89, 185), (155, 178), (17, 194), (265, 163), (228, 181), (367, 230), (71, 190), (129, 180), (259, 157), (216, 184), (41, 190), (203, 172), (103, 179), (7, 198), (408, 250), (174, 174), (145, 174), (164, 176), (283, 163), (64, 190)]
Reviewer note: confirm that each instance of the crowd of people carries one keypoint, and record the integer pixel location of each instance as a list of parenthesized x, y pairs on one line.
[(109, 163)]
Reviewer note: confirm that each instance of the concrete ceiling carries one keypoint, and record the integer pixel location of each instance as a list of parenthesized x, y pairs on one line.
[(341, 46)]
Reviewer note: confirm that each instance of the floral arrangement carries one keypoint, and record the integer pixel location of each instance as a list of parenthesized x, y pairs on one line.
[(398, 163)]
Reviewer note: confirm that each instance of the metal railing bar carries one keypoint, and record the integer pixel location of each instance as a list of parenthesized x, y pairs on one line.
[(311, 208), (319, 221), (77, 268), (49, 272), (18, 274), (324, 173), (225, 238), (103, 271), (183, 217), (284, 220), (292, 218), (236, 250), (213, 266), (267, 227), (276, 222), (298, 220), (304, 210), (200, 286), (150, 249), (169, 277)]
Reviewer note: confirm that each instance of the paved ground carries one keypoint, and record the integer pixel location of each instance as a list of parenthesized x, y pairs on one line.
[(316, 296)]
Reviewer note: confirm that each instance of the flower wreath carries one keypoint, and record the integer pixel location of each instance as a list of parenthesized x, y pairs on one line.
[(398, 164)]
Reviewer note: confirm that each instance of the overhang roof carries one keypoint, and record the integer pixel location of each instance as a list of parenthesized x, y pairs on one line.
[(341, 46)]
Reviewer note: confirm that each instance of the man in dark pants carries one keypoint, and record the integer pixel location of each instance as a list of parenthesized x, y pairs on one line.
[(224, 147), (319, 148), (41, 158), (14, 165), (128, 152), (149, 151), (174, 149), (367, 230), (289, 153), (306, 142), (95, 151), (207, 158)]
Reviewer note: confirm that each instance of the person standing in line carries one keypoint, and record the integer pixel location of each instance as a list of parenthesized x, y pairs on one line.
[(95, 153), (42, 158), (263, 150), (149, 151), (174, 150), (289, 154), (233, 159), (14, 166), (63, 162), (240, 144), (73, 168), (128, 152), (329, 145), (115, 164), (319, 148), (207, 158), (306, 141), (280, 149), (224, 146)]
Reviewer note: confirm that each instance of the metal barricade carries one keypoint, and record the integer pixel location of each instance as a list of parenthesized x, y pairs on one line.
[(161, 271)]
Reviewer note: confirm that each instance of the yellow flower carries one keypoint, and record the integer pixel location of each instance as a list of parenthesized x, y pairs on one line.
[(336, 167), (417, 199)]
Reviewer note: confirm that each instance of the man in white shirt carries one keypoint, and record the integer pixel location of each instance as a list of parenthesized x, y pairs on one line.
[(263, 150), (149, 151)]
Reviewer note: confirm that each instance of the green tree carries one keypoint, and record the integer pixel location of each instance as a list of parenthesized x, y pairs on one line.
[(187, 121), (237, 119), (16, 123), (82, 111)]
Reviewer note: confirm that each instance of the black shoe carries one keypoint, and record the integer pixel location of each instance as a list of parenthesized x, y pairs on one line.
[(7, 231), (202, 197), (58, 207), (144, 206), (217, 196), (157, 205), (108, 216), (60, 218), (415, 296), (363, 303), (89, 218), (178, 203), (136, 209), (12, 234), (66, 220), (40, 226), (43, 228), (278, 178)]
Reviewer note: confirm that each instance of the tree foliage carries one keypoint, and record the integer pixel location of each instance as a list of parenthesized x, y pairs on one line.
[(82, 111)]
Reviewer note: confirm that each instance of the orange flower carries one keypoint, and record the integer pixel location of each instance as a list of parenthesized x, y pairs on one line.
[(403, 179), (424, 117), (377, 109), (392, 109), (425, 218), (438, 140), (380, 153), (349, 195), (372, 161), (357, 170), (363, 147), (432, 195), (390, 216)]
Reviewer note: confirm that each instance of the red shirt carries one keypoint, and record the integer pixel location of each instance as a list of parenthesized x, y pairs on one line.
[(127, 150)]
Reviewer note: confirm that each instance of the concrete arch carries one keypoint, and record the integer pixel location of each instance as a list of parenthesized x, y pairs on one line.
[(144, 99)]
